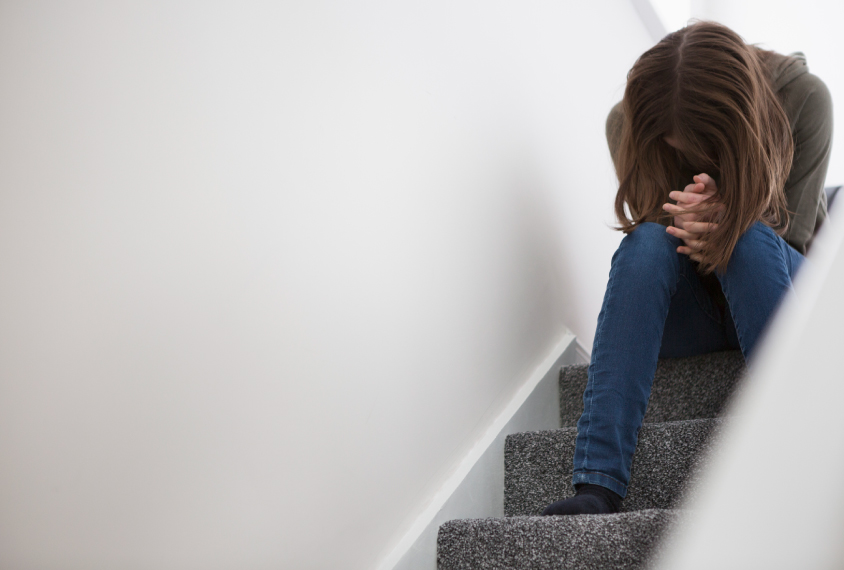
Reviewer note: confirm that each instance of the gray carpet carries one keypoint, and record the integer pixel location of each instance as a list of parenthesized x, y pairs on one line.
[(688, 396), (538, 466), (683, 388), (584, 542)]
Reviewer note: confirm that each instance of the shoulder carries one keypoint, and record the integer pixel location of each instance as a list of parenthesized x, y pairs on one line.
[(615, 119), (807, 85), (808, 103), (804, 96), (783, 69)]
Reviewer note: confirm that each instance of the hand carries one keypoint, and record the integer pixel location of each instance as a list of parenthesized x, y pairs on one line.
[(691, 226)]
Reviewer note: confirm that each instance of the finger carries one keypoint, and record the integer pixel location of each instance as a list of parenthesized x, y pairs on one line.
[(707, 181), (699, 211), (684, 233), (707, 212), (696, 257), (700, 227), (695, 187), (694, 244), (689, 197), (677, 208), (685, 250), (680, 233), (686, 212)]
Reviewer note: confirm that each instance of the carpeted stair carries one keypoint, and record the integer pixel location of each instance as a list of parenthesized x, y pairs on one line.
[(687, 398)]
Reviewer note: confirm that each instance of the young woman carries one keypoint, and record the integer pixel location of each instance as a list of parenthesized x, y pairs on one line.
[(721, 151)]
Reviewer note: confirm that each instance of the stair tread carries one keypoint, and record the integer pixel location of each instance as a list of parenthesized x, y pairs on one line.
[(584, 542), (538, 465), (683, 388)]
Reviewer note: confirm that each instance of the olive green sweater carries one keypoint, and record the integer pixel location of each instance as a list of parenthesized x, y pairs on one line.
[(807, 102)]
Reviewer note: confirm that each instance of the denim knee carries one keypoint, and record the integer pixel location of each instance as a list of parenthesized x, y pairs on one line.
[(648, 250), (747, 248), (758, 275)]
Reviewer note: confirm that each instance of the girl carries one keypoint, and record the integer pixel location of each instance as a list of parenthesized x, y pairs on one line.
[(746, 134)]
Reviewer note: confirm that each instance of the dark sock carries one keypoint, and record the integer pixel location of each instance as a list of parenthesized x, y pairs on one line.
[(589, 500)]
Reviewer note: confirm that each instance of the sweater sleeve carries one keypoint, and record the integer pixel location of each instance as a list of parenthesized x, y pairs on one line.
[(613, 130), (812, 134)]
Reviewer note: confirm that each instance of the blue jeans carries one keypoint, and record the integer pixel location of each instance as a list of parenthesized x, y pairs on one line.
[(656, 306)]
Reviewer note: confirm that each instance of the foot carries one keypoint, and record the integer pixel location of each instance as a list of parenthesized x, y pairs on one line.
[(589, 500)]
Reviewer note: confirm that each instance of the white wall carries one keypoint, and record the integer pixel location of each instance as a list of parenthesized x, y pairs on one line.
[(810, 26), (269, 269)]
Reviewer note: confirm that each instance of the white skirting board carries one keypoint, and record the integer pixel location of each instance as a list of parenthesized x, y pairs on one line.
[(476, 488)]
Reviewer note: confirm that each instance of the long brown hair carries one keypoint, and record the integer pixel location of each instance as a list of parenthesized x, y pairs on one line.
[(710, 90)]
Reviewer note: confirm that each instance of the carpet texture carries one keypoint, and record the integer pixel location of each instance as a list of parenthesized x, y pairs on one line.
[(582, 542), (683, 388), (683, 419), (538, 466)]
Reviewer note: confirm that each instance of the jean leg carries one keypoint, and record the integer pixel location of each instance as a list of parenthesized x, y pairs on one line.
[(644, 276), (758, 275), (695, 324)]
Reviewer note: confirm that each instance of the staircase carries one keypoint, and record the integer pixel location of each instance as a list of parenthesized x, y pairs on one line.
[(687, 400)]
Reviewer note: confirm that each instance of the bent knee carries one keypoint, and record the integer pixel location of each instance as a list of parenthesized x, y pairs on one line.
[(758, 251), (757, 239), (650, 246), (651, 238)]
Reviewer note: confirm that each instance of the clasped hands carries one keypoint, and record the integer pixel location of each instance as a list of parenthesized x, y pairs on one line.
[(691, 226)]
